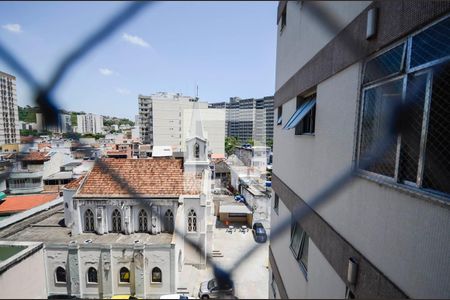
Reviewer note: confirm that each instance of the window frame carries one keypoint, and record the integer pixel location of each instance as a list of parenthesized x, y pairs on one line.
[(192, 219), (87, 226), (406, 73), (310, 116), (156, 269), (118, 227), (276, 204), (120, 277), (56, 275), (87, 276), (301, 250)]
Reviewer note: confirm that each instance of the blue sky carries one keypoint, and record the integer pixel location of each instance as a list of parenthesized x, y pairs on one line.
[(227, 48)]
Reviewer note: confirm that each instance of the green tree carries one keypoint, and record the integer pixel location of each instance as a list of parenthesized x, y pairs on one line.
[(230, 143), (251, 142), (269, 143)]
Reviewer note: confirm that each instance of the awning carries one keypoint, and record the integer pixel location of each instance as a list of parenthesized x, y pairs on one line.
[(301, 112)]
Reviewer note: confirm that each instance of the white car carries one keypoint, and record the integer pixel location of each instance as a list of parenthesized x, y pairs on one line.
[(176, 296)]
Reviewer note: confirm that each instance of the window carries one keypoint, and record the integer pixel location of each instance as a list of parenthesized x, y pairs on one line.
[(419, 78), (276, 203), (124, 275), (283, 18), (168, 221), (299, 245), (143, 221), (60, 275), (307, 118), (237, 215), (192, 221), (156, 275), (274, 287), (280, 115), (92, 275), (304, 118), (196, 150), (116, 221), (88, 221)]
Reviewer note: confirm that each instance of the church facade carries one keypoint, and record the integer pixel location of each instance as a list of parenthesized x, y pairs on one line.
[(131, 222)]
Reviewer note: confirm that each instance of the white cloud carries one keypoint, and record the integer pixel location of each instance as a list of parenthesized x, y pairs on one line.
[(123, 91), (134, 39), (16, 28), (106, 71)]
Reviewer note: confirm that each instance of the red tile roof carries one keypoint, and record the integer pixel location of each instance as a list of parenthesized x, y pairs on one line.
[(146, 177), (73, 185), (13, 204), (43, 145), (36, 156)]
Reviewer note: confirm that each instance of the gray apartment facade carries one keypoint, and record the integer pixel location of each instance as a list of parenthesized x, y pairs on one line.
[(248, 119), (9, 116), (386, 233)]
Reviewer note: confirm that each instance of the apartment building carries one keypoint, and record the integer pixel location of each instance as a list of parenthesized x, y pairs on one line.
[(89, 123), (386, 233), (63, 124), (164, 120), (9, 116), (248, 119)]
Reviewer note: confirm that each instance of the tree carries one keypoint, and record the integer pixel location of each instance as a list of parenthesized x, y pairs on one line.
[(251, 142), (269, 143), (231, 142)]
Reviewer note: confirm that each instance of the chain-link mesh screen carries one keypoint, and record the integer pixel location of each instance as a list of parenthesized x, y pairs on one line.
[(420, 155)]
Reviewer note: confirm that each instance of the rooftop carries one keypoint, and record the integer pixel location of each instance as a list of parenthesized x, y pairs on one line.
[(13, 204), (146, 177), (75, 184), (51, 230), (36, 156)]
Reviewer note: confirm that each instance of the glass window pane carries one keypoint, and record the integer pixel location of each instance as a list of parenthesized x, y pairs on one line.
[(377, 104), (437, 153), (384, 65), (431, 44), (410, 143), (304, 255), (296, 239)]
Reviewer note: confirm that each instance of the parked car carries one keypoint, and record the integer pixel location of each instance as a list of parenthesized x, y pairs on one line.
[(239, 198), (210, 289), (259, 233)]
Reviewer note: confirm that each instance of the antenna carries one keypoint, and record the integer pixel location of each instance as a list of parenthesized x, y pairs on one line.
[(197, 91)]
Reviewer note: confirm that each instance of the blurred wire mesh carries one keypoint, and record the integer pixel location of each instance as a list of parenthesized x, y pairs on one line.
[(404, 128)]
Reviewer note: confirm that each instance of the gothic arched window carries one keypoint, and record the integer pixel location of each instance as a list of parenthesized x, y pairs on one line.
[(124, 275), (143, 221), (92, 275), (88, 221), (192, 221), (116, 221), (196, 150), (60, 274), (156, 275), (168, 221)]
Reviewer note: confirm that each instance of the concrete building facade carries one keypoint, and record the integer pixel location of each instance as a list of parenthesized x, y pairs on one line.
[(164, 120), (9, 112), (89, 123), (324, 91)]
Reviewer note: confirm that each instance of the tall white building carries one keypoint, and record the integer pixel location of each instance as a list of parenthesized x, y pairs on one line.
[(386, 233), (63, 125), (164, 120), (9, 113), (89, 123)]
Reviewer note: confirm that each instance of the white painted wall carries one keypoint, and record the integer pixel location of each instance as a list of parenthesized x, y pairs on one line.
[(12, 280), (304, 34), (404, 236), (321, 282)]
